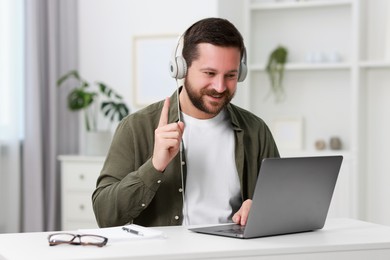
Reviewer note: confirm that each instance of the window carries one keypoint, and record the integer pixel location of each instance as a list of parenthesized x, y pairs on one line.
[(11, 67), (11, 111)]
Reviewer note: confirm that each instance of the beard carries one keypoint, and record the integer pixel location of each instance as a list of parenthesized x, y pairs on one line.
[(211, 108)]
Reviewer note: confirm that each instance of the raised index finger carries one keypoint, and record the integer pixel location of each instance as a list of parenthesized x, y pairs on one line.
[(164, 113)]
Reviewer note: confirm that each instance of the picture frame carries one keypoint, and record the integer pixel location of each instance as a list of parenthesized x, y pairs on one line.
[(288, 133), (151, 79)]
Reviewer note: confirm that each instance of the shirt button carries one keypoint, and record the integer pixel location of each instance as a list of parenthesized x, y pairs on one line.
[(180, 190), (143, 204), (176, 217), (159, 181), (183, 162)]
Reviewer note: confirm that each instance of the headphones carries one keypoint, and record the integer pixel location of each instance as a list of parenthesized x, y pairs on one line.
[(178, 65)]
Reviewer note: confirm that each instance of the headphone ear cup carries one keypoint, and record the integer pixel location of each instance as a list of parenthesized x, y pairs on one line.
[(242, 73), (179, 68), (173, 67), (177, 64)]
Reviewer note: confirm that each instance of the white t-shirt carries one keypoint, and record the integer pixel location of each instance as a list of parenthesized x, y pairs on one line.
[(212, 193)]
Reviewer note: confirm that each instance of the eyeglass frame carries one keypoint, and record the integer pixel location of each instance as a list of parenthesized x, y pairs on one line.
[(79, 236)]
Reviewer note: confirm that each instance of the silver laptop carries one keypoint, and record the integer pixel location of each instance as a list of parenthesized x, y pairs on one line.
[(292, 195)]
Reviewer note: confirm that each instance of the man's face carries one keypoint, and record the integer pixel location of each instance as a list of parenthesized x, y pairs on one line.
[(211, 81)]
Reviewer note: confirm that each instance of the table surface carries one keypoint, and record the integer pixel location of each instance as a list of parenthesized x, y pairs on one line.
[(337, 235)]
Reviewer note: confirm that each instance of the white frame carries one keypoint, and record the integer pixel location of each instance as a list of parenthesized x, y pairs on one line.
[(151, 79), (288, 133)]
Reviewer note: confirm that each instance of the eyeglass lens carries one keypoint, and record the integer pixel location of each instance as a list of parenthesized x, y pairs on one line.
[(67, 238)]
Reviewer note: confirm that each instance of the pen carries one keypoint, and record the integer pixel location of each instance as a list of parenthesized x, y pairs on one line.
[(132, 231)]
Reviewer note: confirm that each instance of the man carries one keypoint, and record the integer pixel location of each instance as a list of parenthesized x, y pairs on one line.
[(202, 169)]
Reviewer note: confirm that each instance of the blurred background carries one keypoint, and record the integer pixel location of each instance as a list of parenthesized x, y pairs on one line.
[(332, 62)]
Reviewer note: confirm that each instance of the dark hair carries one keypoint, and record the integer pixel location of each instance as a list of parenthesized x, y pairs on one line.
[(216, 31)]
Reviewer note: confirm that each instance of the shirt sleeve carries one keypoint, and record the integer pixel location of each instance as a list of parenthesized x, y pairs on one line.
[(128, 180)]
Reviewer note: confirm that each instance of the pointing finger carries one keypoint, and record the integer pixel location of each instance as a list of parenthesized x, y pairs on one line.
[(164, 113)]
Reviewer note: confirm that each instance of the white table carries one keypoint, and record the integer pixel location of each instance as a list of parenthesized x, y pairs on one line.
[(339, 239)]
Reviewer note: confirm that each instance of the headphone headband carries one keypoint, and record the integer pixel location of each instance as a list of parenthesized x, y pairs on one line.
[(178, 65)]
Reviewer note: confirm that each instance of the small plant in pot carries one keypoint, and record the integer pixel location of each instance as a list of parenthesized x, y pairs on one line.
[(87, 97), (275, 69)]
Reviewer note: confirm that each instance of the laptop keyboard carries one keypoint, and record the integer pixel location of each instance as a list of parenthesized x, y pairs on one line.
[(234, 229)]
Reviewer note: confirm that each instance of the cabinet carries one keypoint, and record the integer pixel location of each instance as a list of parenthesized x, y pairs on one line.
[(78, 181), (344, 97)]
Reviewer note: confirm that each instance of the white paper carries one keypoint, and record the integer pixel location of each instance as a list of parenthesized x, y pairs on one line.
[(115, 234)]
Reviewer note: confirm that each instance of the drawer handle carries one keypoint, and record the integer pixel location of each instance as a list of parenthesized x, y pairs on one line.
[(81, 176), (82, 207)]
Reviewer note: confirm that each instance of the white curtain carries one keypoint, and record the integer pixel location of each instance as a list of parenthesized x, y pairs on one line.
[(38, 43), (11, 112), (51, 50)]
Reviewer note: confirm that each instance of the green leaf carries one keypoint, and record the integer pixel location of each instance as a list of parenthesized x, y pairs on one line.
[(102, 87), (79, 99), (71, 74)]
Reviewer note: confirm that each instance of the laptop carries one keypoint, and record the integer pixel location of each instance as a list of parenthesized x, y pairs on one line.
[(291, 195)]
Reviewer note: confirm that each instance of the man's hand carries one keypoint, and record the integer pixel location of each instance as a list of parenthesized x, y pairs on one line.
[(241, 215), (167, 139)]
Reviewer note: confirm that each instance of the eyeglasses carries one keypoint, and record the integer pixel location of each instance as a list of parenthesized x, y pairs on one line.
[(76, 239)]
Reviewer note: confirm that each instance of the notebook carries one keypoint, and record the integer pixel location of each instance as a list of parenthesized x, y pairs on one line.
[(291, 195)]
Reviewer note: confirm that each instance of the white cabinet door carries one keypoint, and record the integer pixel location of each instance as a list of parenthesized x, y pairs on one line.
[(78, 181)]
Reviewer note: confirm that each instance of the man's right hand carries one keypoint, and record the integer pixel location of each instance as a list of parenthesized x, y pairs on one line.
[(167, 139), (241, 216)]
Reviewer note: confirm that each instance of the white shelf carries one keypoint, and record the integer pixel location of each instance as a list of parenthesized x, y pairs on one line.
[(307, 66), (298, 4), (330, 107), (347, 102), (326, 152), (375, 64)]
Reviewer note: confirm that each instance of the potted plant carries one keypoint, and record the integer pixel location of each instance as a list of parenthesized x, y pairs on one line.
[(87, 97), (275, 69)]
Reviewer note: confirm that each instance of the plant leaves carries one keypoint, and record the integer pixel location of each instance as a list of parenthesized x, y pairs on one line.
[(112, 110), (275, 70), (107, 91), (71, 74), (80, 98)]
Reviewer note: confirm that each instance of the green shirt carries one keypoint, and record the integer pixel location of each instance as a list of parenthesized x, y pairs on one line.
[(130, 190)]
